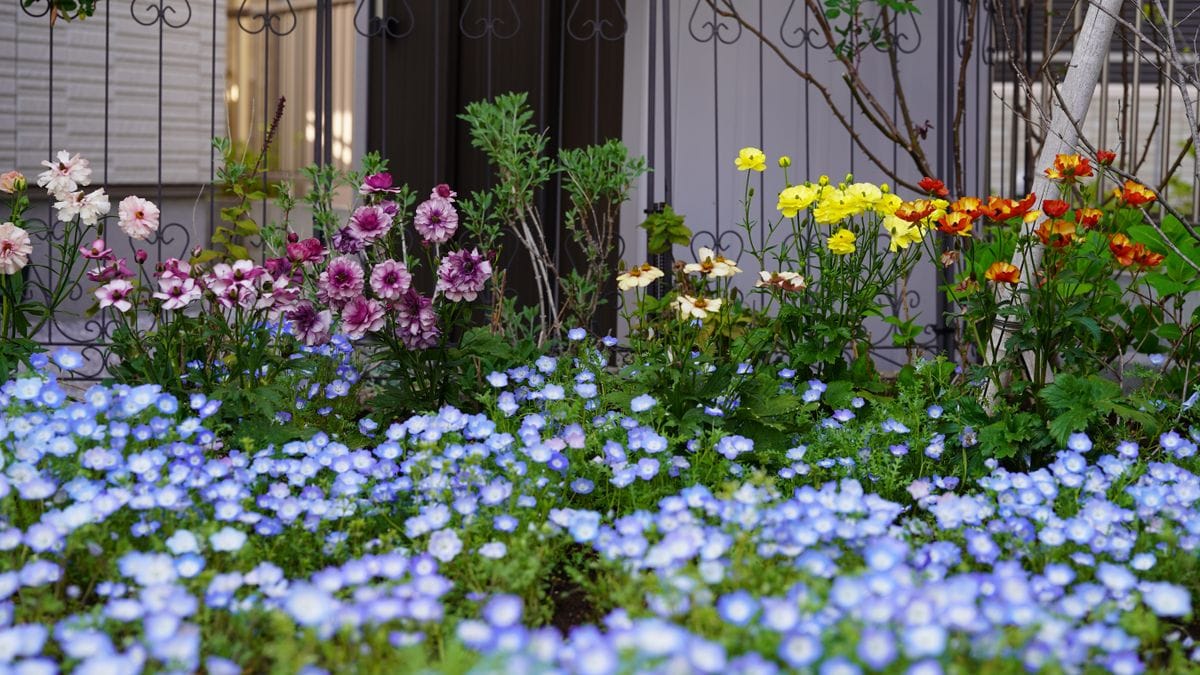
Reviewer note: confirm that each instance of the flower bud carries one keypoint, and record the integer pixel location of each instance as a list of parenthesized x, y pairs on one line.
[(12, 181), (292, 237), (140, 256), (785, 162)]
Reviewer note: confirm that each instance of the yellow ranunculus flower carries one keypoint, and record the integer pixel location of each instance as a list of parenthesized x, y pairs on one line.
[(834, 206), (795, 199), (842, 242), (864, 196), (751, 159), (904, 233), (887, 204)]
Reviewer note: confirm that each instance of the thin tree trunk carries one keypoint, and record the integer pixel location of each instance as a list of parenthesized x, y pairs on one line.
[(1070, 108)]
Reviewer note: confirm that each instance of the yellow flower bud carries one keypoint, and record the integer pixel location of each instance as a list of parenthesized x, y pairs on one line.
[(785, 162)]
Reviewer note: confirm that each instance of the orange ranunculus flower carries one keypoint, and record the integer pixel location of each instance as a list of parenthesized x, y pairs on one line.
[(1122, 249), (1136, 194), (1055, 208), (1069, 167), (968, 205), (957, 223), (1147, 258), (1105, 157), (933, 186), (916, 210), (999, 209), (1088, 218), (1003, 273), (1057, 233)]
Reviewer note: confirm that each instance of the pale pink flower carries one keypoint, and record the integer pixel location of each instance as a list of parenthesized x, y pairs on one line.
[(65, 175), (240, 273), (115, 294), (361, 316), (139, 217), (175, 268), (390, 279), (443, 191), (96, 251), (177, 293), (311, 326), (87, 208), (436, 220), (12, 181), (237, 295), (275, 294), (15, 248)]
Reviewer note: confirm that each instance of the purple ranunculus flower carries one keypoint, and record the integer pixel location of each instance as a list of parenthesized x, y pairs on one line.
[(370, 223), (361, 316), (390, 279), (463, 275), (346, 242), (377, 182), (311, 326), (341, 282), (416, 322), (436, 220)]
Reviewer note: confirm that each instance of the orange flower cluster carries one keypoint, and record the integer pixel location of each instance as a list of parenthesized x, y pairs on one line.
[(1067, 168), (1128, 253), (1003, 273), (1135, 194)]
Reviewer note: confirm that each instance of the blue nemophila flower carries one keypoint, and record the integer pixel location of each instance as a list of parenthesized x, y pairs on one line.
[(576, 334), (642, 403), (67, 359), (934, 411), (1079, 442), (737, 608), (497, 379), (546, 364)]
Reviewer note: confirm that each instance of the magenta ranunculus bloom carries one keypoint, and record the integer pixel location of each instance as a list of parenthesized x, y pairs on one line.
[(361, 316), (463, 275), (390, 279), (416, 322), (370, 223), (311, 326), (346, 242), (307, 251), (436, 220), (341, 282), (377, 182)]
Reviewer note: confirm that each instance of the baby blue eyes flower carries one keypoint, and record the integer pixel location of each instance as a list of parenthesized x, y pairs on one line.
[(27, 389), (737, 608), (546, 364), (227, 540), (582, 486), (576, 334), (799, 650), (497, 380), (857, 402), (1079, 442), (934, 412), (1157, 359), (67, 359), (642, 403), (493, 550), (1166, 599)]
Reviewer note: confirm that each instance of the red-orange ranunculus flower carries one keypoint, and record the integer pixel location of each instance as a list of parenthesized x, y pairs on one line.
[(1057, 233), (999, 209), (1147, 258), (1122, 249), (968, 205), (1069, 167), (933, 186), (1105, 157), (1055, 208), (1088, 218), (1136, 194), (917, 209), (1003, 273), (957, 223)]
